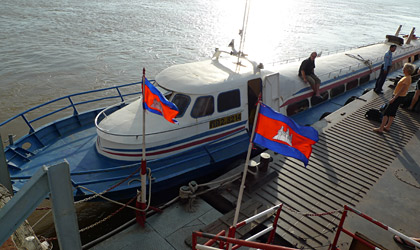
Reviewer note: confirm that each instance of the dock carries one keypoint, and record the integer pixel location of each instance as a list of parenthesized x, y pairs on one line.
[(378, 175)]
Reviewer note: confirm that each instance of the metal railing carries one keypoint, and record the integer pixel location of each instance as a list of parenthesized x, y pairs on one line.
[(340, 229), (226, 242), (72, 104)]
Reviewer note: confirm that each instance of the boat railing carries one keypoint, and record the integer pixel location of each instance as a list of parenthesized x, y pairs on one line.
[(74, 103), (301, 58), (363, 62)]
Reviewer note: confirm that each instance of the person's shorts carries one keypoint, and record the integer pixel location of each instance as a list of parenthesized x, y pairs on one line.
[(392, 108), (313, 79)]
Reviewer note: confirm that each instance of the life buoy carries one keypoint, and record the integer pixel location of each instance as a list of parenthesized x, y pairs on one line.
[(395, 39)]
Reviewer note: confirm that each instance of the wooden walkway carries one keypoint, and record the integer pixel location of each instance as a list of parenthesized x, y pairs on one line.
[(348, 159)]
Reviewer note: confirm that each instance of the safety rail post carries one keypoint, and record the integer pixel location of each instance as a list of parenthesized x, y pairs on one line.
[(119, 93), (4, 171), (31, 129), (54, 180), (73, 106), (273, 231), (194, 241), (339, 229)]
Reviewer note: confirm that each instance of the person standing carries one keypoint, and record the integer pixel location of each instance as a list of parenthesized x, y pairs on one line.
[(306, 72), (386, 66), (398, 97)]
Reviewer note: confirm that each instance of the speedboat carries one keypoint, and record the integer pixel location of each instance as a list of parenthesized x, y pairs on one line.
[(216, 99)]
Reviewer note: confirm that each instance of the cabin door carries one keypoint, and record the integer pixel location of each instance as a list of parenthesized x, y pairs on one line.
[(254, 90)]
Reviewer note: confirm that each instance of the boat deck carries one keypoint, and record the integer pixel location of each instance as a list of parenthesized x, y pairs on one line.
[(350, 165)]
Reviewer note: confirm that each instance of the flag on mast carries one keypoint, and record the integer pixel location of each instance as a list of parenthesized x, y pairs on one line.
[(281, 134), (156, 103)]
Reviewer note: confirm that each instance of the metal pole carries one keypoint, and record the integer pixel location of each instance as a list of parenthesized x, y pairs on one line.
[(142, 217), (241, 189), (4, 171), (64, 213)]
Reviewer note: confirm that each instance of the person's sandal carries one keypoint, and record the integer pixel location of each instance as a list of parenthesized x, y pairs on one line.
[(401, 241)]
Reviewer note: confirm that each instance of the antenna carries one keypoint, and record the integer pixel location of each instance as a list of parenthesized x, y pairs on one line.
[(242, 33)]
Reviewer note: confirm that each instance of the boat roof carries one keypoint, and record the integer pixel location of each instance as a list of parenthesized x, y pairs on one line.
[(206, 77), (333, 65)]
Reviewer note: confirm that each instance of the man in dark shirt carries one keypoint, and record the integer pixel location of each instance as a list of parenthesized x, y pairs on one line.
[(306, 72)]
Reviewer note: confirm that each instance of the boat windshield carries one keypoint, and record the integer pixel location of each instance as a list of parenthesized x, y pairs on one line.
[(165, 92), (182, 102)]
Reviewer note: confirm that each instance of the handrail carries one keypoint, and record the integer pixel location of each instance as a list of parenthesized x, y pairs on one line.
[(340, 228), (244, 243), (72, 104), (227, 241)]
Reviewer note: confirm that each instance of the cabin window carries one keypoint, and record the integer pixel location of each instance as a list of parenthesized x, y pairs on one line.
[(352, 84), (416, 57), (181, 102), (364, 79), (228, 100), (203, 106), (337, 90), (297, 107)]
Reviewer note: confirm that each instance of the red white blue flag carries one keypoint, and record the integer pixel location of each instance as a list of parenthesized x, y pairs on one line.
[(156, 103), (281, 134)]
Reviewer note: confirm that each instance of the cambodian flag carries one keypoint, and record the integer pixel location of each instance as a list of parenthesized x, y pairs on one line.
[(156, 103), (282, 135)]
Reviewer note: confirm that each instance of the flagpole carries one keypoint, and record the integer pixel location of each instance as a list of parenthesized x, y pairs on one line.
[(142, 218), (242, 187)]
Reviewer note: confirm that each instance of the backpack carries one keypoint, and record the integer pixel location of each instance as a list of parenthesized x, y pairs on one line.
[(374, 115)]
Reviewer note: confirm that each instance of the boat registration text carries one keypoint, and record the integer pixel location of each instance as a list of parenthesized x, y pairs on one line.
[(225, 120)]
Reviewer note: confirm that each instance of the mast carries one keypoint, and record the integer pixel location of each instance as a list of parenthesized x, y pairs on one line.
[(242, 34)]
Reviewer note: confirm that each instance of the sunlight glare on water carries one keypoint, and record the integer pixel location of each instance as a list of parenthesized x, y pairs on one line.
[(54, 48)]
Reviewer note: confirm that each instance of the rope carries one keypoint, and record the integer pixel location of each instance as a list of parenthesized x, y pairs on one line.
[(45, 215), (111, 215), (313, 214), (222, 180), (406, 182), (107, 190)]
